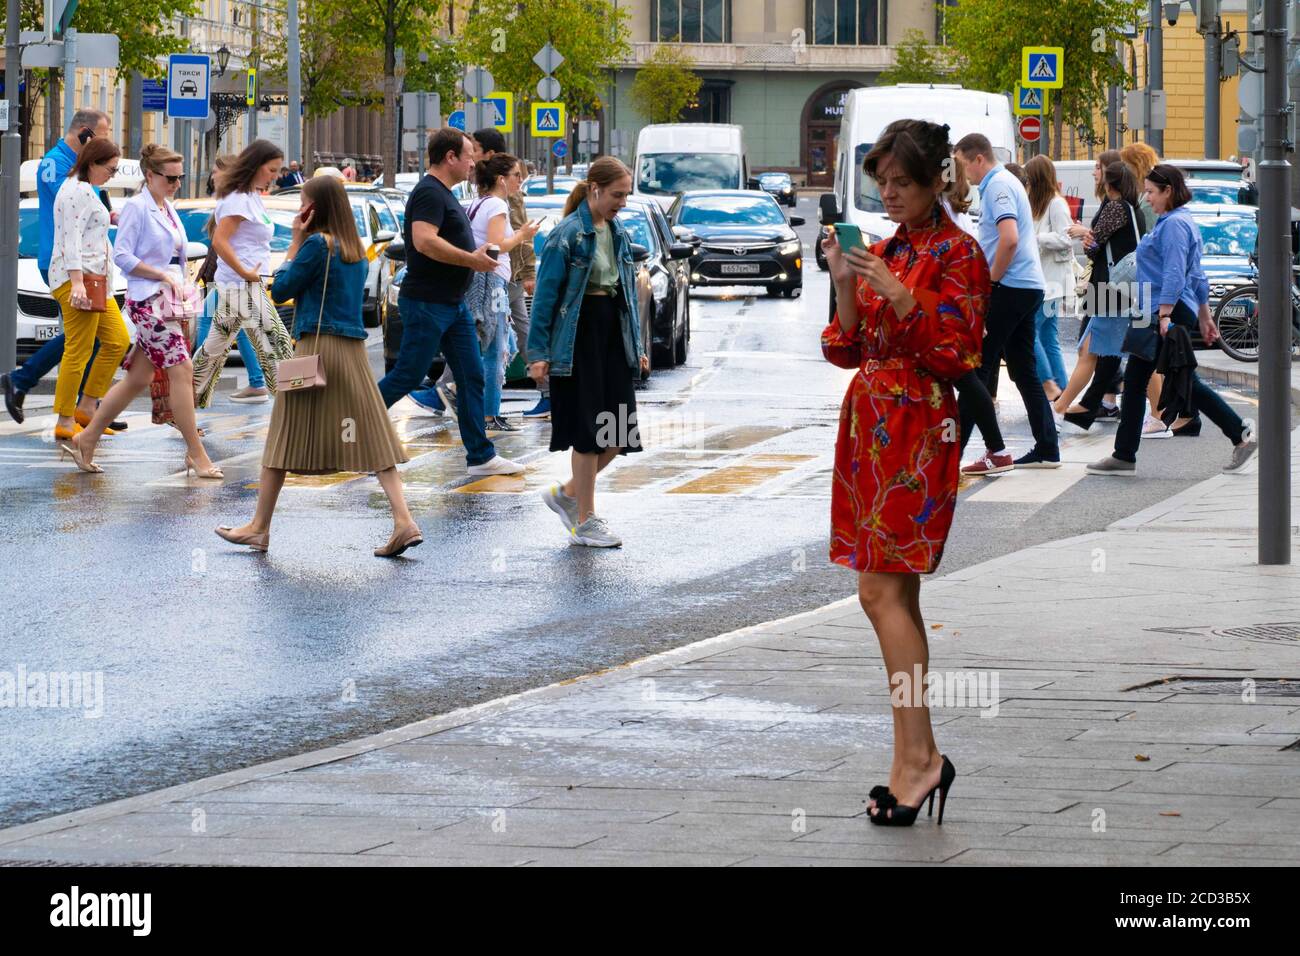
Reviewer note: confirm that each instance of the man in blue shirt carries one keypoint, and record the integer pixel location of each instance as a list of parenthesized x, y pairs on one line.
[(51, 174), (1006, 234)]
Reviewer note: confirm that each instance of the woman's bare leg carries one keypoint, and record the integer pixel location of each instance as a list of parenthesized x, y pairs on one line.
[(391, 482), (1079, 378), (582, 486), (123, 392), (180, 380)]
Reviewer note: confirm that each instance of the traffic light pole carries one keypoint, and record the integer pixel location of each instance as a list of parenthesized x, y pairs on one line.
[(1275, 298), (11, 155), (1213, 51), (1155, 73)]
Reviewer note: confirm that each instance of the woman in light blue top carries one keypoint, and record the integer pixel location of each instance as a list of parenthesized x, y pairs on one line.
[(150, 251), (1172, 289)]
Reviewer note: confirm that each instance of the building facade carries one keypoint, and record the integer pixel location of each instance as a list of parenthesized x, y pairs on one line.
[(779, 68)]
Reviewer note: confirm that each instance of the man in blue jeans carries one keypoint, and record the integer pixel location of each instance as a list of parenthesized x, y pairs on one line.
[(51, 174), (440, 256)]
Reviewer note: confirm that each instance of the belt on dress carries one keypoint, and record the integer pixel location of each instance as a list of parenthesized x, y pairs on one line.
[(876, 365)]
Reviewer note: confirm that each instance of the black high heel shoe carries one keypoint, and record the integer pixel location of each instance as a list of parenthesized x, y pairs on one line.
[(891, 813), (1190, 430)]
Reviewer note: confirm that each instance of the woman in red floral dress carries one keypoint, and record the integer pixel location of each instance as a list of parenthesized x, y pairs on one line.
[(911, 321)]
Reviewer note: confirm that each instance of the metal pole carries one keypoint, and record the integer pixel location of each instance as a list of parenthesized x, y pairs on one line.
[(11, 154), (135, 114), (1252, 9), (69, 74), (294, 119), (1212, 54), (1275, 299), (252, 64), (1156, 76)]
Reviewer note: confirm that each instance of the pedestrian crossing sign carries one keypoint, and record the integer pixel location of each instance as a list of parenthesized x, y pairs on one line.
[(548, 120), (503, 111), (1042, 67), (1031, 101)]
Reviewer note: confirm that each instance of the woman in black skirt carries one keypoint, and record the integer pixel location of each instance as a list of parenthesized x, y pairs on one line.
[(585, 337)]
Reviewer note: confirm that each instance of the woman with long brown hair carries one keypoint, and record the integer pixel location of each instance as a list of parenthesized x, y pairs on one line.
[(80, 260), (242, 239), (159, 297), (1056, 252), (342, 426), (586, 339)]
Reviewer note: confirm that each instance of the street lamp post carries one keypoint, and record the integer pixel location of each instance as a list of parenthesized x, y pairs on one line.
[(11, 150)]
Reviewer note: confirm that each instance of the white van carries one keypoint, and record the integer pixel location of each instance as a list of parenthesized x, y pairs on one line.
[(672, 158), (868, 110)]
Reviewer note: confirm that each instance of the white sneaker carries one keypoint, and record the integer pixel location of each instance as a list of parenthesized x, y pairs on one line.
[(594, 533), (1155, 428), (562, 505), (497, 466), (251, 396)]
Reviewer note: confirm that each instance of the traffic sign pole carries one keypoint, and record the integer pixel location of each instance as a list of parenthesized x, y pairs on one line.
[(11, 155)]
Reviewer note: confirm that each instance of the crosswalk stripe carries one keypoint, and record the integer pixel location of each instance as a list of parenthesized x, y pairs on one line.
[(1025, 487)]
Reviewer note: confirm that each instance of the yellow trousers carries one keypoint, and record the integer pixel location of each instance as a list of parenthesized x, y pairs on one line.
[(80, 330)]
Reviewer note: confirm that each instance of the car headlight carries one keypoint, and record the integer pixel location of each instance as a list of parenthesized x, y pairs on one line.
[(791, 247), (659, 286)]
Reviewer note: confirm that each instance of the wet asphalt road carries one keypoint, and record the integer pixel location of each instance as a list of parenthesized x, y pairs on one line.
[(214, 658)]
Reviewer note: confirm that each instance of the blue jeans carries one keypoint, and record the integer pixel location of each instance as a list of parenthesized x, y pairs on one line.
[(28, 375), (496, 353), (1047, 344), (246, 351), (430, 327)]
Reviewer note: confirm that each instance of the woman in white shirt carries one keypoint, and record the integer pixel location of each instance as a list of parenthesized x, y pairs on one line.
[(1056, 250), (242, 239), (489, 218), (150, 249), (81, 250)]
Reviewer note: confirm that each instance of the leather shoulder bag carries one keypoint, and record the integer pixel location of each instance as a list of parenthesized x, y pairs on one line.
[(306, 371)]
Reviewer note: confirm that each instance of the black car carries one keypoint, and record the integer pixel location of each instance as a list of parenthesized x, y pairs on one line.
[(670, 327), (744, 240), (396, 251), (780, 185)]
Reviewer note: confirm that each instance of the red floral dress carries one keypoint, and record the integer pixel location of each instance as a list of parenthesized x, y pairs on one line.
[(898, 451)]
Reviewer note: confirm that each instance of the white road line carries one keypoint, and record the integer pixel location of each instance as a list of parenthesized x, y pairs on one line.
[(1029, 486)]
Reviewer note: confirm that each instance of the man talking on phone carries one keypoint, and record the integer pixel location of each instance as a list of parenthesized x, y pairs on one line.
[(440, 255), (51, 174), (1006, 234)]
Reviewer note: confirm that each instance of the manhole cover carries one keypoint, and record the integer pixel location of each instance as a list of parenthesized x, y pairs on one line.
[(1228, 686), (1286, 631)]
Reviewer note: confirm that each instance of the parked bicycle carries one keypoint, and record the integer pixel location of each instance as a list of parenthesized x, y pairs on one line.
[(1237, 317)]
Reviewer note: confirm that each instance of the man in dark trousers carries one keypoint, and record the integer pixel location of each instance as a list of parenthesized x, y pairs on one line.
[(1006, 234), (51, 174), (440, 256)]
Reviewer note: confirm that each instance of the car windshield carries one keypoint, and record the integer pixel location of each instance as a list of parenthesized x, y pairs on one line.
[(866, 195), (774, 179), (730, 211), (669, 173), (537, 187), (1228, 235), (282, 219), (1218, 193), (29, 233), (638, 227)]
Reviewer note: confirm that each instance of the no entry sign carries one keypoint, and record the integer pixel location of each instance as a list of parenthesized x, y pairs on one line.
[(1031, 127)]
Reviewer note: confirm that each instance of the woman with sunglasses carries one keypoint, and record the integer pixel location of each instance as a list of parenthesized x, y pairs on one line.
[(150, 249), (81, 250)]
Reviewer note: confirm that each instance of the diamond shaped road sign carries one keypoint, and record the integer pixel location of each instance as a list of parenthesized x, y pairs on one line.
[(548, 59)]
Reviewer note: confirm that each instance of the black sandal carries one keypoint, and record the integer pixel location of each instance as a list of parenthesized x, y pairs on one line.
[(890, 813)]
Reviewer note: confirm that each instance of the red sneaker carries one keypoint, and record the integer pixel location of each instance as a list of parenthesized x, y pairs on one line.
[(990, 464)]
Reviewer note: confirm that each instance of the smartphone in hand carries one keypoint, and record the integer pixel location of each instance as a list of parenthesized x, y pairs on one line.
[(849, 236)]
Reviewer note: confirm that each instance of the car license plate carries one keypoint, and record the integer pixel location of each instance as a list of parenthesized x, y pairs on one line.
[(46, 332), (1235, 310), (739, 268)]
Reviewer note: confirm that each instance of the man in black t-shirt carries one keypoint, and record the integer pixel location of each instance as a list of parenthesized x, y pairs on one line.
[(440, 257)]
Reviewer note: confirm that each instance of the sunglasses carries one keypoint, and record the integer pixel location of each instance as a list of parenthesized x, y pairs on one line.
[(112, 170), (173, 179)]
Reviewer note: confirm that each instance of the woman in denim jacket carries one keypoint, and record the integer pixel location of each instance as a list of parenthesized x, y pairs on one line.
[(585, 336), (343, 426), (1173, 288)]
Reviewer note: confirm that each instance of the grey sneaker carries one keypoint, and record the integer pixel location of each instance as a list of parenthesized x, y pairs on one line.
[(1243, 453), (562, 505), (594, 533), (251, 396), (1110, 465)]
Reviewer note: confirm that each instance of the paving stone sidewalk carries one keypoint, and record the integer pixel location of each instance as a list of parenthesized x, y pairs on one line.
[(1146, 711)]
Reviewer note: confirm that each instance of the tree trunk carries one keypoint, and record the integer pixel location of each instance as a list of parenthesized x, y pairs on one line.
[(308, 146)]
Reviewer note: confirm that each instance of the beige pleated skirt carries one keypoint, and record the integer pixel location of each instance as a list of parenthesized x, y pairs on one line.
[(341, 427)]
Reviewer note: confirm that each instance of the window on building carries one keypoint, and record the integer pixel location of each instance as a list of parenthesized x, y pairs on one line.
[(941, 8), (846, 22), (691, 21)]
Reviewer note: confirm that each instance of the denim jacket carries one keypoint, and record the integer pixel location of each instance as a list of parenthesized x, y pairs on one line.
[(561, 282), (301, 280)]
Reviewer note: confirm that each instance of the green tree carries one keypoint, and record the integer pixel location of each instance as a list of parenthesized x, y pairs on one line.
[(504, 35), (665, 85), (987, 35), (916, 61)]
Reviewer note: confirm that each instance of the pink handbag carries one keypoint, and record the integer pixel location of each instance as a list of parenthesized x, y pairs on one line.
[(306, 371)]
